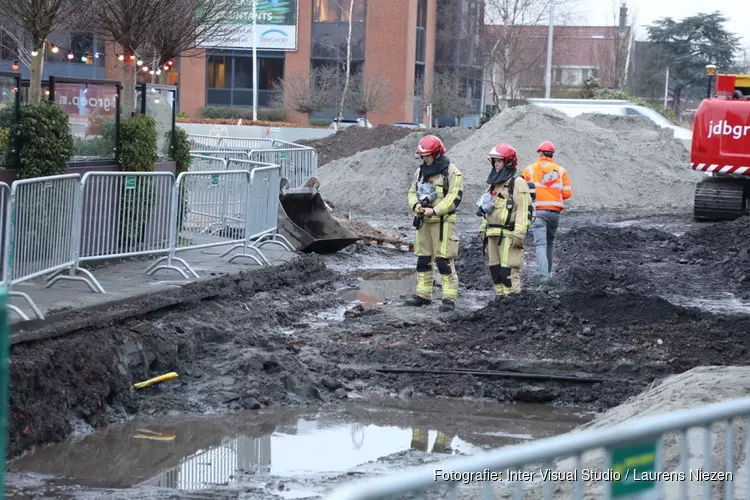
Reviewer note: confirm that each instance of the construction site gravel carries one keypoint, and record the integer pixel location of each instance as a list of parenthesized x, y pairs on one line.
[(638, 298)]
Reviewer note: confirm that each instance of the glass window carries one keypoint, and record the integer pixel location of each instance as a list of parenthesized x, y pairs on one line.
[(219, 72), (418, 79), (270, 71), (420, 45), (326, 11), (243, 72), (82, 46), (359, 11), (8, 47), (422, 13)]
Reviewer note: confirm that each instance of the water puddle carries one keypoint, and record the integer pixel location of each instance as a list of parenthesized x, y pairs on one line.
[(380, 285), (299, 448), (724, 303)]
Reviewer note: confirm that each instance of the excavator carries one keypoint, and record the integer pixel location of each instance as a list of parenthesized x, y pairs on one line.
[(721, 149)]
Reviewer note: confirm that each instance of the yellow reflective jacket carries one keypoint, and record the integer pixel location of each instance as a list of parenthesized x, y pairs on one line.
[(501, 220), (446, 203)]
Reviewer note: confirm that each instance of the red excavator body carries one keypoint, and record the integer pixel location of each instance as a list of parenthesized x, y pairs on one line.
[(721, 148)]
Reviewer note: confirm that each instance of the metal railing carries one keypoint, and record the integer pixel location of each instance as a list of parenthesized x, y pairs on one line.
[(208, 142), (297, 164), (224, 154), (633, 447), (55, 224), (205, 163)]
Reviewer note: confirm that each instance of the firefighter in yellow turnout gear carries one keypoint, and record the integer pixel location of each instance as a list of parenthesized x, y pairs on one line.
[(434, 195), (420, 441), (507, 209)]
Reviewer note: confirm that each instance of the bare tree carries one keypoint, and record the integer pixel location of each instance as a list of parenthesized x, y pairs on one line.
[(510, 46), (157, 31), (446, 96), (613, 53), (348, 71), (308, 92), (369, 94), (38, 18)]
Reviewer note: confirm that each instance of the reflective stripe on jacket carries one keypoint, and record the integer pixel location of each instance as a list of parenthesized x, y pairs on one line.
[(551, 182), (518, 219)]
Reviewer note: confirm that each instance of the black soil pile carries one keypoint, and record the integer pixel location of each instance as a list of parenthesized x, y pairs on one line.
[(352, 140)]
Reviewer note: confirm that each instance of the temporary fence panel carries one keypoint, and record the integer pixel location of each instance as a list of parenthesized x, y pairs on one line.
[(4, 380), (263, 213), (225, 154), (44, 222), (204, 142), (204, 163), (4, 247), (632, 447), (237, 164), (246, 143), (297, 164)]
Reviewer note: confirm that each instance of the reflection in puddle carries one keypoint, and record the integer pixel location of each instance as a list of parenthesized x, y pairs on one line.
[(204, 452), (378, 286)]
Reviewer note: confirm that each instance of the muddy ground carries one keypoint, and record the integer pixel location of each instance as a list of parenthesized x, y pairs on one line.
[(624, 310)]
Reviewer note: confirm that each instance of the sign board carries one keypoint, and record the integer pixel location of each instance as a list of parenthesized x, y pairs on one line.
[(284, 155), (634, 468), (276, 26), (130, 182), (214, 180)]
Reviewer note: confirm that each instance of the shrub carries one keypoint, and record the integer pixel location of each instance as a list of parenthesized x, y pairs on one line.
[(47, 145), (138, 143), (320, 122), (270, 115), (181, 149), (5, 145)]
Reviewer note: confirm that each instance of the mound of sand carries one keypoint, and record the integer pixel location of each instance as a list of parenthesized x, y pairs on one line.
[(375, 182), (352, 140), (613, 162)]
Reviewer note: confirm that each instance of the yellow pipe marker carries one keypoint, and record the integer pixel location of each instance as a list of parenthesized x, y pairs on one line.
[(151, 381)]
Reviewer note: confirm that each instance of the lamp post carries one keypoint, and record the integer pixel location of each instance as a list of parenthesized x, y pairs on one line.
[(548, 72), (710, 73)]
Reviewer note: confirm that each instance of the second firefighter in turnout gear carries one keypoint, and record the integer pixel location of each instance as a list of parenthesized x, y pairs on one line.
[(506, 208), (552, 189), (434, 195)]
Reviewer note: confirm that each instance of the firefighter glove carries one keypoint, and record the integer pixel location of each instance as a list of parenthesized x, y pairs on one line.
[(518, 240)]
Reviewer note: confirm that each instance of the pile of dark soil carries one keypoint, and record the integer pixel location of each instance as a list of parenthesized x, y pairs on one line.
[(229, 352), (352, 140)]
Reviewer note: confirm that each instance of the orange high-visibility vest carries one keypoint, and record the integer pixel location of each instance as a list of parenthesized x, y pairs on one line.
[(552, 184)]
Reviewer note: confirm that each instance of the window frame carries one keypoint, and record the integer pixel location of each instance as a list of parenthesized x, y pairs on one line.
[(340, 10)]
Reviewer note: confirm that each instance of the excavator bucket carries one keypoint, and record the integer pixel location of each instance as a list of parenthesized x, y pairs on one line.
[(304, 219)]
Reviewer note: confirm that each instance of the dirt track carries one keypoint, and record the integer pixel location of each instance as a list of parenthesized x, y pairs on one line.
[(281, 337)]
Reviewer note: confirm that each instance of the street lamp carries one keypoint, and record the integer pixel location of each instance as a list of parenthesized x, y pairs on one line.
[(710, 73)]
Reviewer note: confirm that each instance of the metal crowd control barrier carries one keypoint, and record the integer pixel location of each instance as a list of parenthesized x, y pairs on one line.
[(237, 164), (124, 214), (209, 209), (635, 445), (262, 211), (240, 143), (41, 236), (225, 154), (5, 210), (297, 164), (205, 163)]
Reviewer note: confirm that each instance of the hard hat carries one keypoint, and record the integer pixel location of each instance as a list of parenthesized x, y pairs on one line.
[(504, 152), (430, 145), (546, 147)]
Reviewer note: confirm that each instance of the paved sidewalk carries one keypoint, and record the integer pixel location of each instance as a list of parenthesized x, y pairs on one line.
[(127, 278)]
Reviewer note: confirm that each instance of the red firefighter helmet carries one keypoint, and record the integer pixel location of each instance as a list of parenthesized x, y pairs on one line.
[(546, 147), (430, 145), (504, 152)]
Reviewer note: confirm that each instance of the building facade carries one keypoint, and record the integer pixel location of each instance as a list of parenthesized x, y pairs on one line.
[(394, 41)]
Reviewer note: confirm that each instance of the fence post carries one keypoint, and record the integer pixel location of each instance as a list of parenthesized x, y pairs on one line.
[(4, 379), (17, 121), (118, 143), (143, 98), (51, 88)]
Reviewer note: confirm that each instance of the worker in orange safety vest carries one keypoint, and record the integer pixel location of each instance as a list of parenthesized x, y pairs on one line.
[(552, 189)]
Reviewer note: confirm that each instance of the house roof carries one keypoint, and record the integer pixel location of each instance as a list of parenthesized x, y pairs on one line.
[(572, 45)]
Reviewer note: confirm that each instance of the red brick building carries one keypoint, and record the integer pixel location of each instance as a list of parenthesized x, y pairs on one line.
[(392, 39), (578, 52)]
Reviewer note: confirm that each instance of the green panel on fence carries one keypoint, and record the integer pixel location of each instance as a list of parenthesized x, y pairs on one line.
[(214, 180), (635, 465), (4, 379), (284, 155), (130, 182)]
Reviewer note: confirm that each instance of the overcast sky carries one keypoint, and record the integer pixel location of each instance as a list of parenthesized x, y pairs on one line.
[(600, 12)]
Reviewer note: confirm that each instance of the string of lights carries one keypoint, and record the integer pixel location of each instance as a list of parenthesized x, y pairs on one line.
[(88, 57)]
